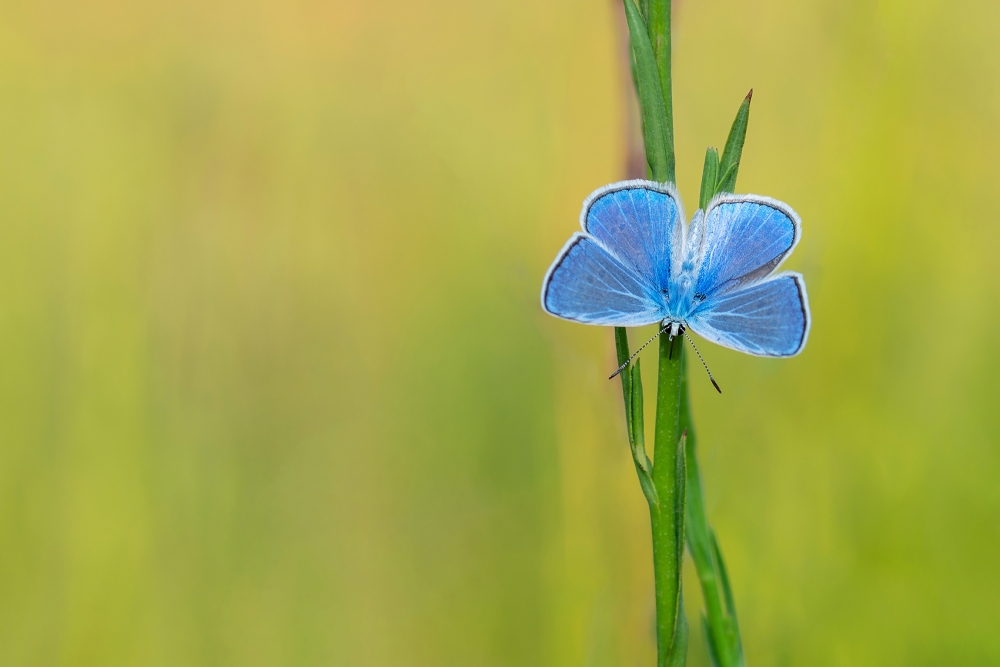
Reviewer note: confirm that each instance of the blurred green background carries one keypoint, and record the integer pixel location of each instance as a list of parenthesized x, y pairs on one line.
[(275, 388)]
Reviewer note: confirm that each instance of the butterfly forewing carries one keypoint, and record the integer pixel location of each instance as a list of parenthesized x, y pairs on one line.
[(618, 272), (740, 240), (640, 223)]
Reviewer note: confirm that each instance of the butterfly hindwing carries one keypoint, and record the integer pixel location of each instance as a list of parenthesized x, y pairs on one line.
[(741, 239), (588, 284), (768, 319)]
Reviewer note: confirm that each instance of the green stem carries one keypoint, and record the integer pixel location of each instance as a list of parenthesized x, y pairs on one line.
[(666, 521), (673, 486), (649, 31), (667, 495)]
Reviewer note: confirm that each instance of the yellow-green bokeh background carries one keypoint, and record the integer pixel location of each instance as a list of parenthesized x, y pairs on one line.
[(275, 388)]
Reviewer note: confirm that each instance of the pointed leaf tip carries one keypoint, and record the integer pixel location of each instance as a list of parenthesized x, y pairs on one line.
[(749, 95), (732, 154)]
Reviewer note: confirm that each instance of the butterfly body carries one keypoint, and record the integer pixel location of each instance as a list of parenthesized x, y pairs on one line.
[(637, 262)]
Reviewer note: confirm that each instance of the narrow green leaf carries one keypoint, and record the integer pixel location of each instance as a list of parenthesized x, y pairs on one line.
[(621, 349), (621, 344), (709, 177), (728, 176), (678, 645), (680, 481), (632, 392), (643, 466), (727, 591), (733, 152), (721, 632), (635, 74), (654, 115), (647, 486), (699, 540), (677, 657), (735, 648), (658, 28), (712, 650), (638, 434)]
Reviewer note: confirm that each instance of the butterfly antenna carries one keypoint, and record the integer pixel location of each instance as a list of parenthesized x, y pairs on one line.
[(714, 383), (622, 367)]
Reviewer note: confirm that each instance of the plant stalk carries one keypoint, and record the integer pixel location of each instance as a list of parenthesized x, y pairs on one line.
[(649, 33), (671, 483), (667, 520)]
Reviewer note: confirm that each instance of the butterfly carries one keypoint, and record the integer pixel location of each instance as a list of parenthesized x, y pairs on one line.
[(637, 263)]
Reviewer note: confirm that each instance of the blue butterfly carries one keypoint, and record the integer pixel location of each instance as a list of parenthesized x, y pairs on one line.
[(637, 263)]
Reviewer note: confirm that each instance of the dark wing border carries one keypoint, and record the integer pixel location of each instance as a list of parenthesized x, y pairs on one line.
[(668, 189)]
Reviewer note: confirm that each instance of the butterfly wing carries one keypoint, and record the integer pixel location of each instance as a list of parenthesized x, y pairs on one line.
[(741, 239), (639, 222), (588, 284), (767, 319), (616, 271)]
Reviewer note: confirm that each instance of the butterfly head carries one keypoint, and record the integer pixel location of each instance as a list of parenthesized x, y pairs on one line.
[(672, 328)]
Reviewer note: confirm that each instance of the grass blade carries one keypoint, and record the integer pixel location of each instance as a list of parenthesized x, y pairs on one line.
[(654, 115), (732, 154), (643, 466), (677, 657), (709, 178), (658, 28), (621, 349)]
